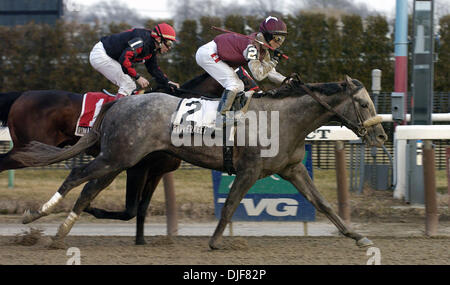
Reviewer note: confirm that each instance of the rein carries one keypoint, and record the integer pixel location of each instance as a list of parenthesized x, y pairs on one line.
[(359, 128)]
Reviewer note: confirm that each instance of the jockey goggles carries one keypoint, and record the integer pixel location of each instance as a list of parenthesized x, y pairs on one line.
[(279, 39), (168, 43)]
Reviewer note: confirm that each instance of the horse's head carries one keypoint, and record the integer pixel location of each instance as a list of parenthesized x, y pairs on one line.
[(361, 113)]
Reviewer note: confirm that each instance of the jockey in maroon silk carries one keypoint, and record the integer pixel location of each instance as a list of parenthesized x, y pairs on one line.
[(228, 51)]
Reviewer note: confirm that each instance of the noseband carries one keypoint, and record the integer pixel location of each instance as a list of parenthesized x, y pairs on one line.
[(359, 128)]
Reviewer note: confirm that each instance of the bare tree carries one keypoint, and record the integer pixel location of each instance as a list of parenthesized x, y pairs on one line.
[(195, 9), (338, 5), (105, 12), (263, 8)]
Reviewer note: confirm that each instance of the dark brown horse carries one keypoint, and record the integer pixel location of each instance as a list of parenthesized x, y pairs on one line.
[(50, 117)]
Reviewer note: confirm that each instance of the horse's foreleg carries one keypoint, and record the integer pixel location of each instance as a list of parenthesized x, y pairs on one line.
[(90, 191), (242, 183), (299, 177), (152, 183)]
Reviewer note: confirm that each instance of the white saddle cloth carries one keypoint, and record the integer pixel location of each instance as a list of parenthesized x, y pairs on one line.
[(195, 114)]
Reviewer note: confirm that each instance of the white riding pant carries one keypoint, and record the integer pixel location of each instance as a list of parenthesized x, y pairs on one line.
[(208, 59), (111, 69)]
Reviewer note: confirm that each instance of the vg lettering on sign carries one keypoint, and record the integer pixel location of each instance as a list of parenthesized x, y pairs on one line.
[(279, 207)]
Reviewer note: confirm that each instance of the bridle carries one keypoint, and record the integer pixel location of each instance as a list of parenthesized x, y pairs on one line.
[(360, 128)]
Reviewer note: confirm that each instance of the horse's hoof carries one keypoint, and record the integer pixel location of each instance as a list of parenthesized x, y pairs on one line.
[(57, 244), (364, 242), (214, 245), (140, 242), (30, 216)]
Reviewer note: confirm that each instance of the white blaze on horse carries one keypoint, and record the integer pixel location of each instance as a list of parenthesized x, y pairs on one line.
[(128, 130)]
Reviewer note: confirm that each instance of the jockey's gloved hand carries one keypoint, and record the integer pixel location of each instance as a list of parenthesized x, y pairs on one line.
[(277, 55), (168, 88), (172, 88)]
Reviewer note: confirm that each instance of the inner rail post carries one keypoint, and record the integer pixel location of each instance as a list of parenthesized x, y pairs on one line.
[(342, 183), (431, 210)]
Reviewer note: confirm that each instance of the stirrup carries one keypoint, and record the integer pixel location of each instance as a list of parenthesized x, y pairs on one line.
[(239, 117), (247, 98), (223, 120)]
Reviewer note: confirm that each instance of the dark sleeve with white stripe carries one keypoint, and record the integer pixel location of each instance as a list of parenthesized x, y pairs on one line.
[(136, 43)]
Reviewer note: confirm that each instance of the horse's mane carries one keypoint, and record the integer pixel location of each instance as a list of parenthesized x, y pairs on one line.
[(195, 81), (326, 88)]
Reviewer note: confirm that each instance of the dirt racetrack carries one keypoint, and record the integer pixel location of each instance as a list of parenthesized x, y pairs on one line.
[(396, 229), (247, 250)]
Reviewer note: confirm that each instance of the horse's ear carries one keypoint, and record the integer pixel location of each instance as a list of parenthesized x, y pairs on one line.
[(349, 82)]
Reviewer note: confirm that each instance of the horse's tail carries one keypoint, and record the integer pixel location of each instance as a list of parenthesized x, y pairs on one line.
[(40, 154), (6, 101)]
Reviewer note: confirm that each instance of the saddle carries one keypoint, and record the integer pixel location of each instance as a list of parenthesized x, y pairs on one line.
[(92, 103)]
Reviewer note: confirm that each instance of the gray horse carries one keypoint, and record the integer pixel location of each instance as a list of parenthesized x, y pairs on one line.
[(130, 129)]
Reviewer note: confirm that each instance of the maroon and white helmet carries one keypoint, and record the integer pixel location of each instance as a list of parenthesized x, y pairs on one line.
[(272, 26)]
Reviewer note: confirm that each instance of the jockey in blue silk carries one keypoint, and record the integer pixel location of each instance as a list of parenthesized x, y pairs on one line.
[(114, 56)]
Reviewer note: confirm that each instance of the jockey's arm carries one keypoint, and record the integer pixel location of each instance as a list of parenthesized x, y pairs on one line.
[(155, 71), (260, 69), (275, 76), (125, 61)]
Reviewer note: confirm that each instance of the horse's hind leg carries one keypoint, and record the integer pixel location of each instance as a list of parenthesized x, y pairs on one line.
[(95, 169), (152, 183), (90, 191), (136, 180), (299, 177)]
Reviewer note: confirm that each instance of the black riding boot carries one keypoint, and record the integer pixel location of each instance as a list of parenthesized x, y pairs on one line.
[(226, 102)]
